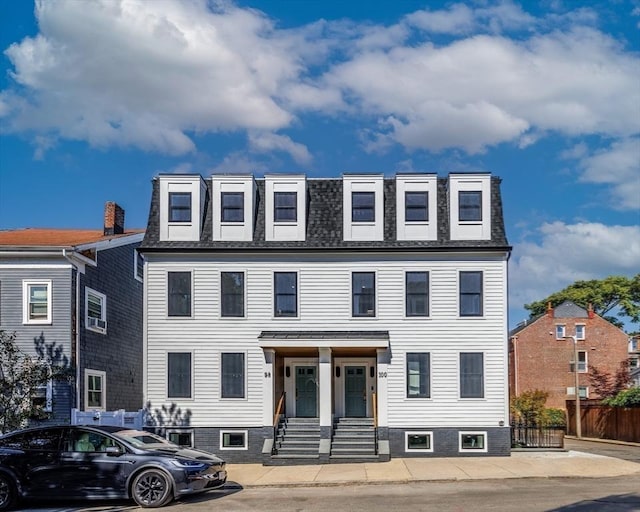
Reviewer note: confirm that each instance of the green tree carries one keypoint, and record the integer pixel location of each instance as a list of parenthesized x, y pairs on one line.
[(21, 376), (627, 398), (613, 294), (528, 406)]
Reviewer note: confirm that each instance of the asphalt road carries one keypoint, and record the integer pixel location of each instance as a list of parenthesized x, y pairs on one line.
[(521, 495), (509, 495), (620, 451)]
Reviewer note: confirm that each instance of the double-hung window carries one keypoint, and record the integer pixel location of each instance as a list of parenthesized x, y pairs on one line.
[(417, 293), (179, 206), (470, 206), (582, 362), (363, 206), (96, 311), (418, 374), (285, 298), (471, 293), (416, 206), (179, 286), (232, 375), (560, 331), (580, 331), (232, 204), (285, 206), (471, 375), (179, 375), (363, 290), (232, 290), (36, 302), (95, 389)]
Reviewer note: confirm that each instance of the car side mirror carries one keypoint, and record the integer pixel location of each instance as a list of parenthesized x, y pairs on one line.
[(113, 451)]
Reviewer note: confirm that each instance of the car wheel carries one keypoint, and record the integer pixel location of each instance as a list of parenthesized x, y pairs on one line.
[(152, 488), (8, 493)]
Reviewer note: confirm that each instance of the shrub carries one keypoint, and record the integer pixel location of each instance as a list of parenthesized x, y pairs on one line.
[(552, 417), (627, 398)]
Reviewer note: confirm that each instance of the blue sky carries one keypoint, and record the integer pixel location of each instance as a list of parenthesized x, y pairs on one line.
[(98, 97)]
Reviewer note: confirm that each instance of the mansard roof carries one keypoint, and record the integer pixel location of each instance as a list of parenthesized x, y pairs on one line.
[(324, 224)]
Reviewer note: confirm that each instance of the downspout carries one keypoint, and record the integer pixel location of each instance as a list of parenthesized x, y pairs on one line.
[(77, 330)]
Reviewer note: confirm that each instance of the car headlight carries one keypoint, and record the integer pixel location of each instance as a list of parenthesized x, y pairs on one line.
[(188, 464)]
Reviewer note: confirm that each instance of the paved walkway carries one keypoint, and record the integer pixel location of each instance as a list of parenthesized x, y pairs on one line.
[(518, 465)]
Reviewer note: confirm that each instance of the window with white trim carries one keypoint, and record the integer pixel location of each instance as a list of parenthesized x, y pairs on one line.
[(179, 206), (580, 331), (180, 437), (232, 294), (418, 442), (471, 375), (234, 439), (179, 375), (582, 362), (416, 206), (363, 294), (233, 375), (232, 206), (584, 391), (95, 304), (560, 331), (418, 375), (42, 397), (36, 302), (95, 396), (179, 293), (285, 206), (417, 293), (470, 284), (285, 294), (472, 442), (363, 206), (470, 205)]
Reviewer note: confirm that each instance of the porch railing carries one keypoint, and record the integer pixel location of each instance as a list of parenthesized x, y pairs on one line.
[(276, 417), (374, 401)]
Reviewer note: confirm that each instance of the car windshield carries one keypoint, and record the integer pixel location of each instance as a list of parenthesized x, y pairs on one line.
[(144, 440)]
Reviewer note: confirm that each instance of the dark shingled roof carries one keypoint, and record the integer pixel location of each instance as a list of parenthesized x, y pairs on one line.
[(324, 223)]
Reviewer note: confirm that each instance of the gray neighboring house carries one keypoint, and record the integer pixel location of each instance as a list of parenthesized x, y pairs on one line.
[(76, 296), (328, 320)]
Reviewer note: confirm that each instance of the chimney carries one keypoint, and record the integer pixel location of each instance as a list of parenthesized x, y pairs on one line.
[(549, 310), (590, 312), (113, 219)]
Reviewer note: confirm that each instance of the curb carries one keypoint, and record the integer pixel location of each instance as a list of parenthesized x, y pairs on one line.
[(603, 441)]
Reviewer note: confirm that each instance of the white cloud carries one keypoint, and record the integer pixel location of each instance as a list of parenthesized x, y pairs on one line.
[(268, 142), (238, 163), (142, 73), (571, 252), (151, 74)]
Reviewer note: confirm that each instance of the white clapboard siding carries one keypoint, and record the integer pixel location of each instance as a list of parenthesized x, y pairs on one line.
[(325, 304)]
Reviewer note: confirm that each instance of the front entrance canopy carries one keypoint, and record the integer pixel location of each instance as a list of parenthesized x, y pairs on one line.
[(333, 339)]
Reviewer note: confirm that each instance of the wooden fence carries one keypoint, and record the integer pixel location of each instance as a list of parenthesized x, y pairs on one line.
[(604, 422)]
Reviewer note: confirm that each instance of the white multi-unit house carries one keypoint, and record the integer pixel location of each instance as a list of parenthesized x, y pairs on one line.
[(357, 318)]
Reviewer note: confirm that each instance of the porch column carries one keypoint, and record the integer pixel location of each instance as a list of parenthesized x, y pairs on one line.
[(268, 407), (383, 361), (324, 383)]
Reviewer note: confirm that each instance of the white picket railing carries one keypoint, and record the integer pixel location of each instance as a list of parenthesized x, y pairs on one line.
[(120, 418)]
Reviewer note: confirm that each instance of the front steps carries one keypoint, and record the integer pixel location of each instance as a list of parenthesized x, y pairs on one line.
[(298, 441), (354, 440)]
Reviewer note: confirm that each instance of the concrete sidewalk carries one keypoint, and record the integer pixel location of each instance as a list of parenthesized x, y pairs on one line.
[(518, 465)]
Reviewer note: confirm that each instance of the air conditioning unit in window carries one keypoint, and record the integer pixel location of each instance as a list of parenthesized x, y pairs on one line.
[(97, 324)]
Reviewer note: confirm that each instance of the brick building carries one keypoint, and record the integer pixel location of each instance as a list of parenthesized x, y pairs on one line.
[(541, 357)]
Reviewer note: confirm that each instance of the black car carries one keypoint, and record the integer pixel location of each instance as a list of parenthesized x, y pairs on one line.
[(100, 462)]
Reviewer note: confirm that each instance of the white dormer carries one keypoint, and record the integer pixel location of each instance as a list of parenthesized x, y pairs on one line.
[(233, 207), (181, 205), (416, 206), (470, 206), (285, 207), (363, 206)]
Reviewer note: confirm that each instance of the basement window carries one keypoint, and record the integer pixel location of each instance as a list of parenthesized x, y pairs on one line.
[(233, 440), (473, 442), (418, 442)]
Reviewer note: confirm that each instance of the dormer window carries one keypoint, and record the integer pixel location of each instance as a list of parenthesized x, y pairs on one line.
[(470, 206), (232, 204), (363, 206), (416, 206), (179, 206), (285, 206)]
